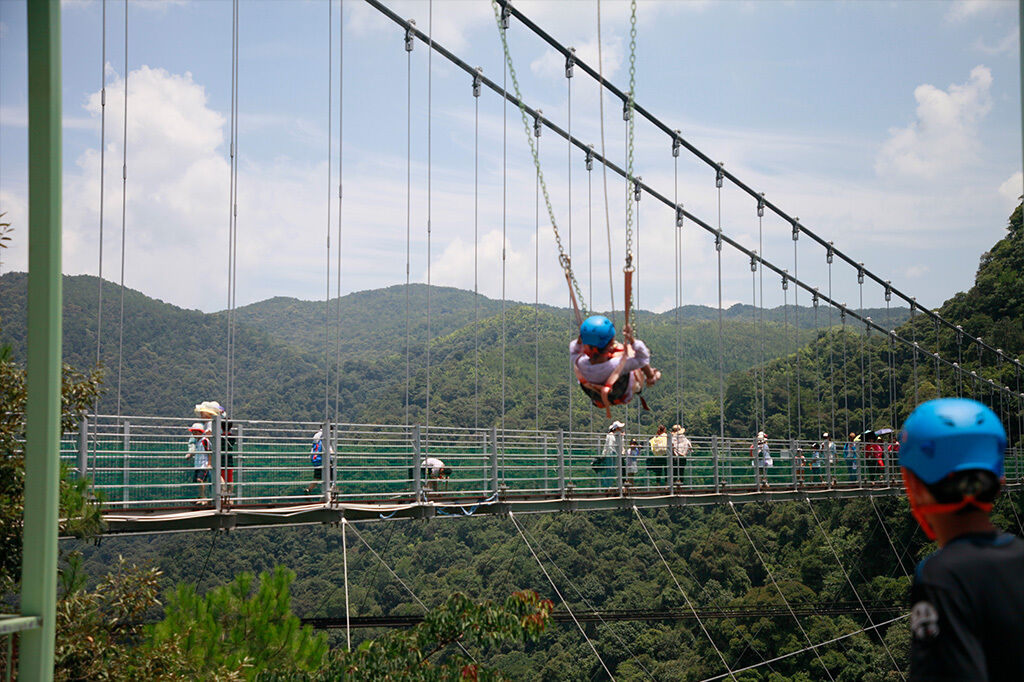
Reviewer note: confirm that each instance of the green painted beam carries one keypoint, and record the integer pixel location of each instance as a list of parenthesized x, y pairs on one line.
[(43, 361)]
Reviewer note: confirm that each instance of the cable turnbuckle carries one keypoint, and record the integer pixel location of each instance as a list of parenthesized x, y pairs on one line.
[(679, 215), (718, 241), (814, 298), (719, 175), (830, 254), (410, 35), (785, 280), (477, 81), (628, 267), (888, 291), (760, 206), (536, 123), (676, 144), (590, 157), (860, 273), (570, 61), (796, 229), (753, 262), (506, 12), (636, 188)]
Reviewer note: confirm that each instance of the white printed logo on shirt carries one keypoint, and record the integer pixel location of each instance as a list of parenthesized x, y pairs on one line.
[(924, 621)]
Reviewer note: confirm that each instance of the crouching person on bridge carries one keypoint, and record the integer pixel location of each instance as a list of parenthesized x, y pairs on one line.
[(967, 614)]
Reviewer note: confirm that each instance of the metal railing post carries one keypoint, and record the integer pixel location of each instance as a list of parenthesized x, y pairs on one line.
[(714, 463), (494, 460), (545, 462), (126, 443), (417, 464), (326, 460), (240, 467), (561, 463), (670, 459), (486, 462), (215, 440), (83, 445)]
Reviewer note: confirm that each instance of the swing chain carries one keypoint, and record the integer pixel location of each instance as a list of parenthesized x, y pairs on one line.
[(627, 116), (501, 14)]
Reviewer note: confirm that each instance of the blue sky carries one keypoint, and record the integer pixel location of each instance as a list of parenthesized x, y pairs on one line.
[(892, 128)]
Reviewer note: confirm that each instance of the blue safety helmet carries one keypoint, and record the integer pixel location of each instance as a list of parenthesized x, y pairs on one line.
[(597, 331), (952, 434)]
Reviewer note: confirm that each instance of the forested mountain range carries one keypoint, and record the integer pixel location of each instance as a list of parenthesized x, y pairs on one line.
[(172, 358)]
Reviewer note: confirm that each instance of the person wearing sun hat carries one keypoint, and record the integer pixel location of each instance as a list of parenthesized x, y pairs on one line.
[(611, 452), (681, 449)]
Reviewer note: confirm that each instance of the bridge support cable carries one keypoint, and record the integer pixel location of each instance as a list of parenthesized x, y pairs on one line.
[(812, 647), (348, 611), (862, 342), (233, 215), (476, 248), (409, 42), (525, 110), (689, 604), (124, 210), (330, 194), (778, 589), (888, 536), (341, 121), (721, 344), (103, 165), (565, 604), (831, 351), (604, 84), (796, 336), (856, 594), (604, 155), (502, 26), (400, 582), (789, 361), (430, 194), (570, 378), (594, 613)]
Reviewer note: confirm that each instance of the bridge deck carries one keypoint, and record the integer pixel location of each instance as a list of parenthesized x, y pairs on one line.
[(143, 474)]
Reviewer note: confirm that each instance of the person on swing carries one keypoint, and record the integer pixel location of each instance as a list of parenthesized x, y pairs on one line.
[(610, 372)]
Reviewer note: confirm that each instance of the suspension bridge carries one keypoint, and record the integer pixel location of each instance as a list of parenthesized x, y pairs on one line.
[(261, 473)]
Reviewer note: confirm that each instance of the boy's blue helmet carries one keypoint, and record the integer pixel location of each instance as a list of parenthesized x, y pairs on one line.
[(952, 434), (597, 331)]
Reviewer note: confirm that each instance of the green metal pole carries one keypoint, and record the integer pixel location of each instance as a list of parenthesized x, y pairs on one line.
[(42, 414)]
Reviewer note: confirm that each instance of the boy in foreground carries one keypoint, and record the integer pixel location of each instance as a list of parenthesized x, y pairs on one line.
[(967, 614)]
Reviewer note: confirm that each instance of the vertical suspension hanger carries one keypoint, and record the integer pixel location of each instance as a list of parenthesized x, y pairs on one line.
[(719, 181), (846, 390), (430, 177), (796, 330), (816, 371), (785, 336), (913, 332), (758, 423), (569, 61), (477, 82), (863, 385), (504, 209), (870, 384), (678, 232), (409, 42), (589, 164), (124, 212), (536, 291), (103, 162), (341, 147), (330, 196), (959, 360), (829, 256), (891, 363), (233, 248)]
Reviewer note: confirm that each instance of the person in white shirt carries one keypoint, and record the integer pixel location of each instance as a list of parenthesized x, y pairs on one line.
[(681, 449), (613, 448), (434, 471), (610, 372)]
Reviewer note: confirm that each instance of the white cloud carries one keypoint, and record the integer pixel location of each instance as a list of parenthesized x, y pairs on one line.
[(1013, 188), (1006, 45), (943, 136), (551, 64), (961, 10)]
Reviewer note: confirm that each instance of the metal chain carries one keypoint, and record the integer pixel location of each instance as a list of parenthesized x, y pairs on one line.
[(563, 258), (630, 178)]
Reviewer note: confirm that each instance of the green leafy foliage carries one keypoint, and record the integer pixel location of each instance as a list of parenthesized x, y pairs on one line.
[(237, 627)]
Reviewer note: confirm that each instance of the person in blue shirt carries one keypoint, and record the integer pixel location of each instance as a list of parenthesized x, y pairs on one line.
[(967, 599)]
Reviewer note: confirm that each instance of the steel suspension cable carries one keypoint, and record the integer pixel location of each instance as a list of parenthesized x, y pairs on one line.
[(888, 536), (476, 248), (233, 247), (330, 196), (721, 344), (760, 276), (103, 164), (536, 302), (430, 176), (124, 211), (846, 575), (604, 167), (870, 383), (686, 598), (831, 350), (796, 336), (341, 121), (408, 201), (789, 362), (913, 331), (590, 606), (504, 204), (758, 369), (565, 604), (817, 373), (780, 593), (863, 386), (678, 258), (570, 378), (812, 647)]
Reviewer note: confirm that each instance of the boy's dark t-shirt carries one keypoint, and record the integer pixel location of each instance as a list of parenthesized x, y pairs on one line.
[(967, 611)]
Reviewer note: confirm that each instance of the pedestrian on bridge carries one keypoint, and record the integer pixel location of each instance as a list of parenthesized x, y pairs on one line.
[(761, 458), (681, 449), (968, 597), (850, 455), (658, 461), (610, 454)]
